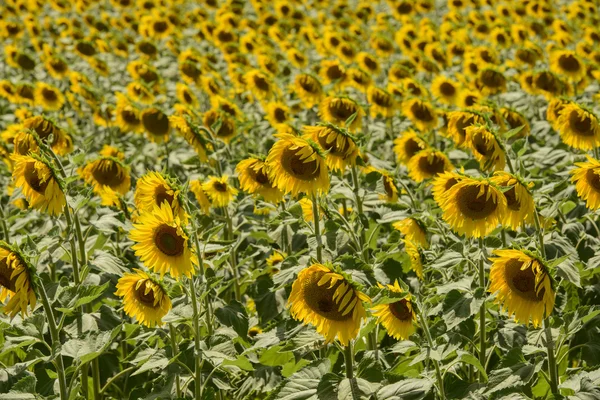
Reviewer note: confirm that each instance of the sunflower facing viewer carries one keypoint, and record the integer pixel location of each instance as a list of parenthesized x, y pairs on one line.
[(143, 298)]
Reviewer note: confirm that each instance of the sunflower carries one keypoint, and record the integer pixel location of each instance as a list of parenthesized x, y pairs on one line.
[(407, 145), (519, 201), (61, 142), (306, 205), (587, 182), (275, 259), (254, 179), (153, 189), (39, 183), (515, 120), (107, 171), (192, 135), (24, 142), (413, 230), (473, 207), (143, 298), (16, 283), (185, 95), (367, 62), (421, 114), (523, 285), (340, 146), (555, 107), (8, 90), (381, 102), (358, 79), (156, 124), (566, 62), (428, 163), (415, 256), (328, 301), (445, 90), (459, 121), (127, 116), (278, 114), (485, 147), (338, 110), (219, 191), (548, 84), (24, 94), (259, 84), (398, 318), (296, 165), (490, 81), (308, 89), (578, 127), (201, 197), (139, 92), (162, 244), (48, 96)]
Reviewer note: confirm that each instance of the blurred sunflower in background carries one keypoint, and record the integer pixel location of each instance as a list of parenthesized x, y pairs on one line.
[(219, 191), (578, 127), (427, 164), (486, 148), (254, 178), (107, 171), (153, 189), (39, 183), (338, 110), (407, 145), (413, 230)]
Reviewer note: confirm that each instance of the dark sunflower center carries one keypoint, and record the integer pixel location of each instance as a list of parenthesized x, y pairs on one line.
[(156, 123), (447, 89), (593, 179), (334, 72), (148, 75), (308, 85), (370, 63), (404, 8), (492, 79), (262, 178), (411, 147), (220, 187), (160, 26), (432, 165), (526, 56), (262, 83), (569, 63), (547, 82), (25, 62), (581, 124), (168, 240), (522, 281), (26, 92), (342, 110), (388, 185), (470, 100), (450, 182), (401, 310), (382, 99), (462, 123), (147, 48), (187, 97), (511, 199), (421, 112), (161, 196), (473, 206), (108, 173), (280, 115), (49, 94), (190, 69), (333, 147), (481, 146), (34, 181), (146, 299), (299, 168), (58, 66), (5, 277), (85, 48), (320, 298), (227, 128), (130, 117)]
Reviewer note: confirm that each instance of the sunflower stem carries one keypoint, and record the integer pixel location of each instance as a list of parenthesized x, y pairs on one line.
[(196, 325), (349, 358), (96, 378), (540, 233), (552, 368), (60, 368), (482, 332), (229, 236), (284, 234), (438, 373), (4, 226), (315, 207), (175, 349), (359, 206)]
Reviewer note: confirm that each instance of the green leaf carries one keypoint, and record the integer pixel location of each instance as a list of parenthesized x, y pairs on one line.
[(355, 388), (469, 358), (303, 384), (241, 362), (328, 387), (234, 316), (157, 361), (407, 389), (458, 306), (568, 270), (25, 385), (273, 357), (92, 346)]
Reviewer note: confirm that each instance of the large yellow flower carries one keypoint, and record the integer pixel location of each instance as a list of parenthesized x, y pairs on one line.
[(328, 301), (219, 191), (153, 189), (107, 171), (39, 184), (407, 145), (15, 282), (295, 166), (337, 110), (520, 207), (485, 147), (143, 298), (473, 207), (340, 146), (278, 114), (445, 90), (587, 182), (413, 230), (254, 178), (162, 244), (428, 164), (399, 317), (523, 286), (566, 62), (578, 127)]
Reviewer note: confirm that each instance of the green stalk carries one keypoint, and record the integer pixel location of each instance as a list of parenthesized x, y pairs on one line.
[(201, 270), (60, 368), (284, 234), (438, 373), (229, 236), (482, 341), (349, 361), (175, 349), (196, 325), (359, 203), (315, 207), (4, 226)]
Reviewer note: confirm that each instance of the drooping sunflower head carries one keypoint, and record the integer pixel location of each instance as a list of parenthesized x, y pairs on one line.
[(520, 207), (340, 146), (547, 84), (473, 207), (185, 95), (254, 178), (443, 182), (578, 127), (566, 62), (338, 110), (428, 163), (358, 78), (201, 197), (127, 116), (332, 72), (514, 120), (259, 84), (144, 298), (587, 182), (327, 300), (381, 102), (486, 148), (107, 171), (308, 89), (296, 165), (156, 124), (407, 145), (398, 318), (44, 127), (491, 81), (219, 191), (274, 260), (162, 244), (39, 183), (16, 281), (421, 114), (413, 230), (459, 121), (193, 136), (221, 124), (25, 142), (154, 189), (522, 285)]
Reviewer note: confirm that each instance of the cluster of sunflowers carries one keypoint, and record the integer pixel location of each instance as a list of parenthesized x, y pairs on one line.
[(300, 199)]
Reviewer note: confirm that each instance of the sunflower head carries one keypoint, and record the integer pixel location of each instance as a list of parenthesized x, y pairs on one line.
[(445, 89), (427, 164), (308, 89), (144, 298), (399, 317), (421, 114), (340, 146), (156, 124), (381, 102), (194, 136), (578, 127), (520, 207), (414, 230), (329, 301), (254, 178), (407, 145), (486, 147), (587, 182), (220, 124), (154, 189), (566, 62), (219, 191), (459, 121), (107, 171), (339, 110), (522, 285), (16, 281), (44, 128)]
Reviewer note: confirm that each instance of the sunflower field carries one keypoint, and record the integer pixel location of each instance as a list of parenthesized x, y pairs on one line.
[(300, 199)]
